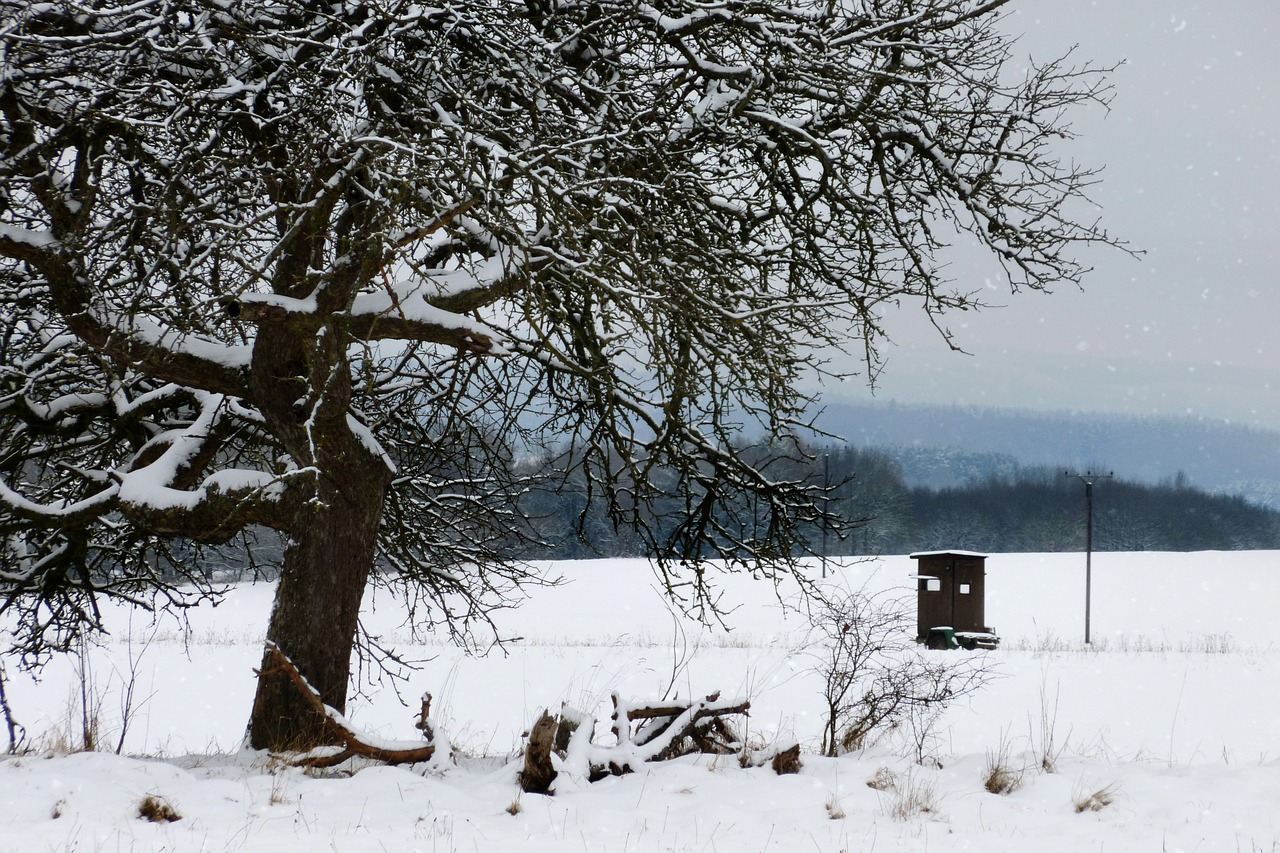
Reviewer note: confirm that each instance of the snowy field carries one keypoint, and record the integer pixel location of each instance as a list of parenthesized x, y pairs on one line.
[(1164, 734)]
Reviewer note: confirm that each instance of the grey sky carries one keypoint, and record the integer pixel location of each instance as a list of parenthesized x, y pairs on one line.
[(1191, 148)]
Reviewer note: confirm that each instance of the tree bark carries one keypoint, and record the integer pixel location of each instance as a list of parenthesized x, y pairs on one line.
[(301, 382), (326, 567), (326, 564)]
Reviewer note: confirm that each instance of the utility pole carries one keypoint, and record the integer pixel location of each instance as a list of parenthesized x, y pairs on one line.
[(826, 506), (1088, 479)]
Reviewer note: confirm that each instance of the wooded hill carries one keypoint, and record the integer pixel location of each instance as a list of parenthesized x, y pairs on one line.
[(1000, 507), (942, 446)]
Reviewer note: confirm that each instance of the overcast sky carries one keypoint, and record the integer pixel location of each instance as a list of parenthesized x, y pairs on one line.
[(1191, 149)]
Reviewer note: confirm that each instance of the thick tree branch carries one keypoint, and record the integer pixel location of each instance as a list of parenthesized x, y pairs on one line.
[(387, 325), (194, 362), (353, 742)]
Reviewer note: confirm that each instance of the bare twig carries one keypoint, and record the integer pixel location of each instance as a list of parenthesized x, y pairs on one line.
[(17, 732)]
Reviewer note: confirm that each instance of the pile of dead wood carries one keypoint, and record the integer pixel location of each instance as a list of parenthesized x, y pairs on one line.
[(644, 733)]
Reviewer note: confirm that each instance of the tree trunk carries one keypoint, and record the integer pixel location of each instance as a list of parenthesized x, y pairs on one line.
[(313, 621)]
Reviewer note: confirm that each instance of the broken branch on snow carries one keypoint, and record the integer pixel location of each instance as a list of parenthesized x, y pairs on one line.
[(353, 743)]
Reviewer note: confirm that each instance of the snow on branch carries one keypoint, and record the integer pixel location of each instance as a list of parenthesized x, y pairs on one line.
[(61, 513), (25, 243), (159, 486), (410, 316), (395, 314), (665, 731)]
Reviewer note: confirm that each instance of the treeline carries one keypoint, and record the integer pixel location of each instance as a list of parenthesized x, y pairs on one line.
[(1007, 508), (1218, 456), (1045, 511)]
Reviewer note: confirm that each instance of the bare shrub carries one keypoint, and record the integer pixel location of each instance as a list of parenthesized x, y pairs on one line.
[(875, 676), (919, 732), (129, 702), (84, 726)]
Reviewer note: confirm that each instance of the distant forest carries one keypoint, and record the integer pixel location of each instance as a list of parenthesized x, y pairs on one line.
[(943, 446), (878, 505), (1000, 507)]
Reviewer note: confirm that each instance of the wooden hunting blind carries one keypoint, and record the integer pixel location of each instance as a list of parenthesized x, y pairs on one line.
[(952, 595)]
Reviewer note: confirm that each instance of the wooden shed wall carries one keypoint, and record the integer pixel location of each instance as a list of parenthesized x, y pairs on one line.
[(959, 601)]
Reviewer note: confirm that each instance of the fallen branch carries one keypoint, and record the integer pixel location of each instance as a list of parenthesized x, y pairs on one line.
[(354, 744)]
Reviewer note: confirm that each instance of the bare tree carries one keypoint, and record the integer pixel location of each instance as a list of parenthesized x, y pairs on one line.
[(318, 268), (875, 676)]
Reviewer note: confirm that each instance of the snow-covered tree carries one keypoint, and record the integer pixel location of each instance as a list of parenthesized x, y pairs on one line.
[(315, 267)]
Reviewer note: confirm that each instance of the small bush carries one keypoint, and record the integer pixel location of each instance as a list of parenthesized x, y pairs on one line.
[(875, 678)]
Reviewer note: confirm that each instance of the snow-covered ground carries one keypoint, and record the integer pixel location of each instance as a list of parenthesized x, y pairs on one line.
[(1172, 715)]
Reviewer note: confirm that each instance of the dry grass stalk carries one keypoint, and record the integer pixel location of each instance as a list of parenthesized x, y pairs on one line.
[(883, 780), (156, 810), (834, 810), (912, 796), (1097, 801), (999, 777)]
